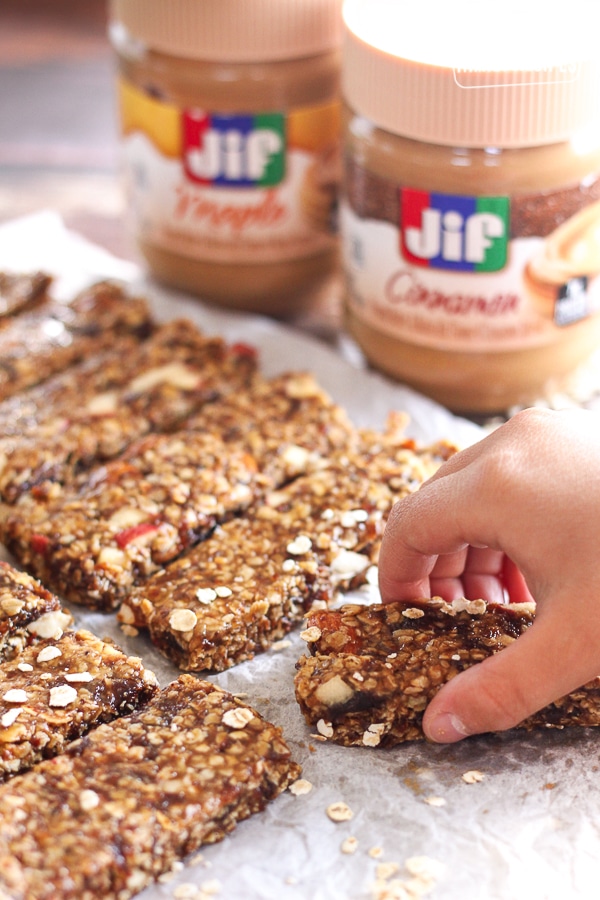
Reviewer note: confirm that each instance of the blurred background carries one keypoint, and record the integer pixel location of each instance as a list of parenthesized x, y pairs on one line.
[(58, 120)]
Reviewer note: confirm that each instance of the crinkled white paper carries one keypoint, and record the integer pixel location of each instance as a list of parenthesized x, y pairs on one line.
[(529, 830)]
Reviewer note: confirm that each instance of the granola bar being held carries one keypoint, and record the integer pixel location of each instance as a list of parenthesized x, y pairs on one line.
[(121, 805), (372, 670)]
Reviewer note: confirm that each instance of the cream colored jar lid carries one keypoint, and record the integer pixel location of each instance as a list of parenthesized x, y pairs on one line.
[(472, 73), (233, 30)]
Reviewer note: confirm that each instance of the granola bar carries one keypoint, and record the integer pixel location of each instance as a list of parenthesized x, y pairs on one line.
[(35, 345), (373, 669), (21, 291), (102, 409), (253, 579), (57, 690), (289, 423), (27, 612), (133, 516), (233, 595), (122, 804)]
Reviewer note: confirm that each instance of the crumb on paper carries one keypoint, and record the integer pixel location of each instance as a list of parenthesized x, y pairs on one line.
[(349, 845), (424, 873), (300, 787), (339, 812), (435, 801), (281, 645), (473, 776), (376, 852), (384, 871)]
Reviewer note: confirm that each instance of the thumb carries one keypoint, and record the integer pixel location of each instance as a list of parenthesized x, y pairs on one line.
[(541, 666)]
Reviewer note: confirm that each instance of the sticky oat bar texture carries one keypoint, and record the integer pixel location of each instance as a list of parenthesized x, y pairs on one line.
[(134, 515), (100, 411), (288, 422), (37, 344), (373, 669), (21, 291), (233, 595), (57, 690), (27, 611), (122, 804), (253, 579)]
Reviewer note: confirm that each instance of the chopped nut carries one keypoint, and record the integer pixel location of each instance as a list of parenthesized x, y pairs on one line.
[(372, 736), (88, 799), (301, 545), (50, 625), (79, 676), (325, 728), (339, 812), (334, 692), (183, 619), (25, 667)]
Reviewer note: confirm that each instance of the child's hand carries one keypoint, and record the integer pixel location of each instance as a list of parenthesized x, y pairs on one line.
[(525, 500)]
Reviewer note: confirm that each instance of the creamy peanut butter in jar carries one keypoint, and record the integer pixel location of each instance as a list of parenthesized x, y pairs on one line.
[(470, 211), (230, 121)]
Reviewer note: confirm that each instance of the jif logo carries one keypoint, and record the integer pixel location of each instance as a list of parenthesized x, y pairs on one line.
[(234, 150), (449, 231)]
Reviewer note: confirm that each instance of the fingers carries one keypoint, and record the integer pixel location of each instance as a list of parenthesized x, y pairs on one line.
[(544, 664)]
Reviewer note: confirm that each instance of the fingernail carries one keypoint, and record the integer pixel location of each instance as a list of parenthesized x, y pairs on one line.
[(446, 728)]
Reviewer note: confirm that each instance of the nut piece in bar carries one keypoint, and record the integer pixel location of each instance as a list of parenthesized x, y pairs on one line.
[(21, 291), (27, 612), (122, 804), (136, 514), (57, 690), (373, 669), (90, 413), (36, 344)]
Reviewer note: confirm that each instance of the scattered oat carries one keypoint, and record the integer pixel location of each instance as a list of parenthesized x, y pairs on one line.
[(376, 852), (299, 787), (186, 891), (384, 871), (130, 630), (48, 653), (473, 776), (238, 717), (424, 867), (435, 801), (311, 634), (11, 716), (325, 728), (339, 812), (182, 619), (350, 845), (15, 695), (88, 799), (281, 645), (62, 695), (300, 545), (211, 887)]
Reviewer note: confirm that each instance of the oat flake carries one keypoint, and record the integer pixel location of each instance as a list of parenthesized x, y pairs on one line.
[(62, 695), (15, 695), (473, 776), (350, 845), (237, 718), (300, 786), (182, 619), (339, 812), (79, 676), (206, 596), (311, 634)]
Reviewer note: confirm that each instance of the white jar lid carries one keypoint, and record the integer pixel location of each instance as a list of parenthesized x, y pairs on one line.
[(472, 73), (233, 30)]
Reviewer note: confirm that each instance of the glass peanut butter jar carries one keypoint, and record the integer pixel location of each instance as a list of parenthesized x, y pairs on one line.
[(230, 120), (470, 212)]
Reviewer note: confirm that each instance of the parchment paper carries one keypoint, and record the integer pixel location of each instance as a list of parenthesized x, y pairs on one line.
[(530, 829)]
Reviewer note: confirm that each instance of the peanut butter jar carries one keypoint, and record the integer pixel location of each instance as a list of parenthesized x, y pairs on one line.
[(470, 210), (230, 120)]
